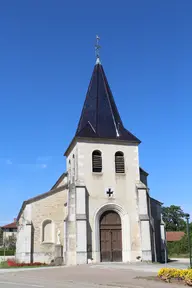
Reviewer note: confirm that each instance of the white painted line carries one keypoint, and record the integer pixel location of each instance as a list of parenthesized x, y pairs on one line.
[(21, 284)]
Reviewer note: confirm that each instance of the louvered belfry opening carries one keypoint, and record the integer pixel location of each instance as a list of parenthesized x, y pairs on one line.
[(97, 161), (119, 162)]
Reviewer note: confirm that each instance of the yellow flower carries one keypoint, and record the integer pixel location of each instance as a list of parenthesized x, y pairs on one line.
[(168, 273)]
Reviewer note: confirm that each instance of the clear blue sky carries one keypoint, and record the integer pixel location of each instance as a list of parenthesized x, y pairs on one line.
[(46, 61)]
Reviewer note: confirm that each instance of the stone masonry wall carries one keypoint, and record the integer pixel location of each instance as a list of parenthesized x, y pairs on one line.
[(52, 208)]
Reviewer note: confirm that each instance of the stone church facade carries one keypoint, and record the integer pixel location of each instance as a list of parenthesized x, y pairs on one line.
[(100, 209)]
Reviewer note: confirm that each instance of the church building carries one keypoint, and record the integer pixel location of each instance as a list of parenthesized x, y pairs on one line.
[(100, 209)]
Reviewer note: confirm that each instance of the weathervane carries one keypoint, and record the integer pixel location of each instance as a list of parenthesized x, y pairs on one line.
[(97, 47)]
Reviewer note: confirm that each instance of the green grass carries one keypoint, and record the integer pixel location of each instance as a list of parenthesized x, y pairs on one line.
[(179, 255), (4, 265)]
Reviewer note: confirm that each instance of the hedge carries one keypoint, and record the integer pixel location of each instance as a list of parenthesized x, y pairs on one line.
[(7, 252), (178, 247)]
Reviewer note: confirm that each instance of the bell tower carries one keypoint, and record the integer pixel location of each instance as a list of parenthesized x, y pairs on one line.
[(103, 169)]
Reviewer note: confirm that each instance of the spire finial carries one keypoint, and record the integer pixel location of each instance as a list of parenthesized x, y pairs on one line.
[(97, 47)]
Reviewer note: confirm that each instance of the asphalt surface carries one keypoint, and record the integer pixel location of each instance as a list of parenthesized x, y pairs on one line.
[(85, 276)]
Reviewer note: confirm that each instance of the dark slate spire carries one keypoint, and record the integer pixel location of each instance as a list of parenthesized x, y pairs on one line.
[(100, 117)]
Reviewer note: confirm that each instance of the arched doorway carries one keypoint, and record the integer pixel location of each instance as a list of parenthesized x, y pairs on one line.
[(110, 237)]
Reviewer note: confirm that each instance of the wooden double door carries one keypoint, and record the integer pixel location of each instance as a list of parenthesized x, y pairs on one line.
[(110, 237)]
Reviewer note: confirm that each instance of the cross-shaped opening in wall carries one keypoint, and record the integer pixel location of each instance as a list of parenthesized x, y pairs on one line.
[(109, 192)]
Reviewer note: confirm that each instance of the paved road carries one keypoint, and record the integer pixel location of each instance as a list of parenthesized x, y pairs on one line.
[(84, 276)]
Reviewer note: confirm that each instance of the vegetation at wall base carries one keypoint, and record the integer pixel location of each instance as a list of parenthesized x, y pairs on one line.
[(12, 264), (180, 275)]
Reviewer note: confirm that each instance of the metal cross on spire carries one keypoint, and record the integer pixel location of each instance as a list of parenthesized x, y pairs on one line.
[(97, 47)]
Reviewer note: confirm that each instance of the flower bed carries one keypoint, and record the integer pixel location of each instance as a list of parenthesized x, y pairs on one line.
[(12, 263), (180, 275)]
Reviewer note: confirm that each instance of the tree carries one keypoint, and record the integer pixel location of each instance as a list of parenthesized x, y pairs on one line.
[(10, 242), (173, 218)]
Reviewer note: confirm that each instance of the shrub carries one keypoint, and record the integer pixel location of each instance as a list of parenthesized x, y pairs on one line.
[(178, 247), (167, 274), (7, 252)]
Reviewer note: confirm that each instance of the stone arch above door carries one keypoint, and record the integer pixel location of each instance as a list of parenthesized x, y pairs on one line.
[(110, 217)]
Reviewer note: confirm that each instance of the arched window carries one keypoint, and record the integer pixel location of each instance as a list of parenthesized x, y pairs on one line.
[(47, 231), (97, 161), (119, 162)]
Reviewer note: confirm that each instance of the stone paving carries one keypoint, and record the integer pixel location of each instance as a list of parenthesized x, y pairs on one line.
[(85, 276), (139, 266)]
